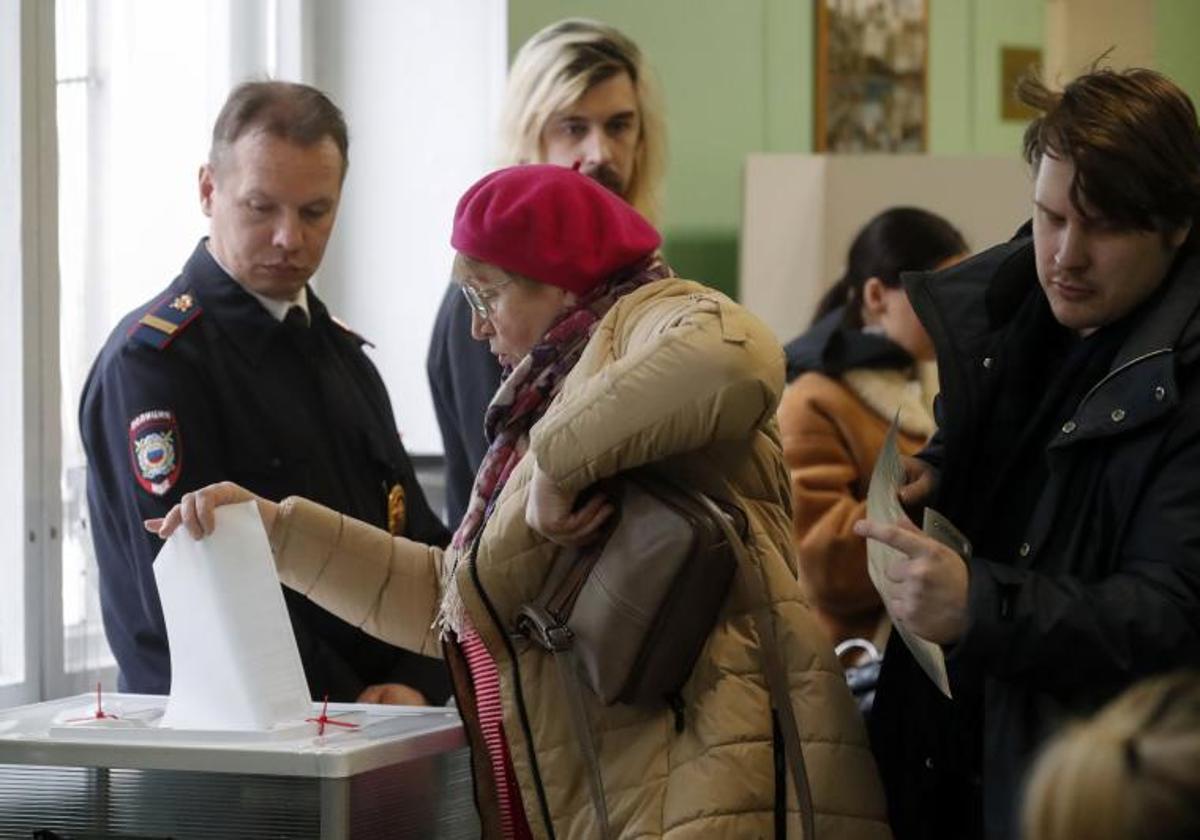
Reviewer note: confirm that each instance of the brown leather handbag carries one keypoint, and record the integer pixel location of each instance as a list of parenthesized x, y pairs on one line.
[(638, 603), (628, 615)]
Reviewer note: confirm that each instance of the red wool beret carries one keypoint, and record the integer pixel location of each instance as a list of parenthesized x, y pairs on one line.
[(550, 224)]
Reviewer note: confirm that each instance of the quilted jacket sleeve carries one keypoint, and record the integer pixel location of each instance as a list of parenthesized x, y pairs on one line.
[(688, 370), (388, 586)]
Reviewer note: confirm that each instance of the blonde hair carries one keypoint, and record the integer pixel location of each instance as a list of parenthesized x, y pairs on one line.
[(554, 69), (1131, 771)]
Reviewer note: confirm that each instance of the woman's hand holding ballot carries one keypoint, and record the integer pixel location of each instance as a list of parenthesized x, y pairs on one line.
[(195, 510)]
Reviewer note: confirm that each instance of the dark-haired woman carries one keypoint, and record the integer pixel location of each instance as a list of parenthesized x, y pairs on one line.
[(860, 362)]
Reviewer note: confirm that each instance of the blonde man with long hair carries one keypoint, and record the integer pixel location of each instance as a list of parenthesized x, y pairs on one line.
[(579, 90), (579, 94)]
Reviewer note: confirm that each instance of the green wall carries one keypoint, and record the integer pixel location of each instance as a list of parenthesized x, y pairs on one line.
[(965, 38), (737, 76), (1176, 25)]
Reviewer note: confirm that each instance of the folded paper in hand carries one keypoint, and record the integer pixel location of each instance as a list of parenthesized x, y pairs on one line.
[(234, 661), (883, 505)]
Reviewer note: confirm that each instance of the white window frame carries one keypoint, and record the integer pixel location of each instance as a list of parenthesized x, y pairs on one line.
[(28, 43)]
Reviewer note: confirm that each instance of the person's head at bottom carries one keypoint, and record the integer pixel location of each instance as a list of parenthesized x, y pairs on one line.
[(536, 242), (1131, 771)]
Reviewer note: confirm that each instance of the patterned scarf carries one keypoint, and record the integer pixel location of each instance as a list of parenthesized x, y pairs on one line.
[(520, 401)]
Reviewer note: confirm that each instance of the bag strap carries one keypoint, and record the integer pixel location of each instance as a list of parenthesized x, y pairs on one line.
[(775, 673), (568, 670), (541, 626), (782, 702), (553, 635)]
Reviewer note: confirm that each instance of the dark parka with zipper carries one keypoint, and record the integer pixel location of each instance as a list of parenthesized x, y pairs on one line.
[(1087, 603)]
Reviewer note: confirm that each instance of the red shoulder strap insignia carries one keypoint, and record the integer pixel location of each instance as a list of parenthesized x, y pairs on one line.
[(165, 320)]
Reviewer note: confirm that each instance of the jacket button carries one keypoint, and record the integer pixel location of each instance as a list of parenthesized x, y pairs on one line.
[(1159, 393), (1068, 427), (987, 362), (1023, 550), (1118, 415)]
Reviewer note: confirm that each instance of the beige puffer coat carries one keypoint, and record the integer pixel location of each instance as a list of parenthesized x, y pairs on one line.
[(675, 373)]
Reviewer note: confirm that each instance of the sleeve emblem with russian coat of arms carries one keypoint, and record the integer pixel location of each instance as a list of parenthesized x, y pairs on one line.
[(155, 450)]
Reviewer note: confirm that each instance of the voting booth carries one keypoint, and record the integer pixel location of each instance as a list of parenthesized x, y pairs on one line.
[(800, 213), (370, 772)]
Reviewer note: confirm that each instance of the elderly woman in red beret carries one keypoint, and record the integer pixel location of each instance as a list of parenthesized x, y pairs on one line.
[(612, 363)]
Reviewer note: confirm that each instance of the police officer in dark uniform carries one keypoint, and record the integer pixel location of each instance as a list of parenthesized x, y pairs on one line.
[(238, 372)]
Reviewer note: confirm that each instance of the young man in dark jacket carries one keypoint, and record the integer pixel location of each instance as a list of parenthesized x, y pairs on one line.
[(1068, 454)]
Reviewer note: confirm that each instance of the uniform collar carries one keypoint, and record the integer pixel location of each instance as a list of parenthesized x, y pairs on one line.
[(241, 315), (278, 309)]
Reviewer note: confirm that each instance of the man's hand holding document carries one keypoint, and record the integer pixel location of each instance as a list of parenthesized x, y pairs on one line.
[(921, 577)]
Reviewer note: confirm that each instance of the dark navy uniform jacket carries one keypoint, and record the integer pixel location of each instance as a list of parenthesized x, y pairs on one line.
[(204, 385)]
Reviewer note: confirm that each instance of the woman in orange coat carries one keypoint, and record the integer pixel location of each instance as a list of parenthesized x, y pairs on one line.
[(859, 362)]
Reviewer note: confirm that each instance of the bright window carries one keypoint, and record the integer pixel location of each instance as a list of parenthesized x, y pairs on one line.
[(132, 123), (136, 88)]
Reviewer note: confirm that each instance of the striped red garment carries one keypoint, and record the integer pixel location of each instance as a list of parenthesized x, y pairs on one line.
[(491, 720)]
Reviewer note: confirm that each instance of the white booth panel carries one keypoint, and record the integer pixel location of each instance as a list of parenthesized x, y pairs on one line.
[(802, 211)]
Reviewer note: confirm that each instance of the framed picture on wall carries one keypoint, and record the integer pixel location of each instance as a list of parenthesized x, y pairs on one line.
[(871, 76)]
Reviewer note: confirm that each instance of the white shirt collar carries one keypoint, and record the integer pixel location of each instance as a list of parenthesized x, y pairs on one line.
[(278, 309)]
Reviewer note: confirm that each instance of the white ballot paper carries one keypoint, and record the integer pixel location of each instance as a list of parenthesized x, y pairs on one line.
[(234, 661), (883, 505)]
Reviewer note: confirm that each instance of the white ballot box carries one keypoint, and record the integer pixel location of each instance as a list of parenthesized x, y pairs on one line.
[(369, 772)]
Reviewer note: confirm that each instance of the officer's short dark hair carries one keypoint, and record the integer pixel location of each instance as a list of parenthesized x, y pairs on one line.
[(289, 111), (1133, 138)]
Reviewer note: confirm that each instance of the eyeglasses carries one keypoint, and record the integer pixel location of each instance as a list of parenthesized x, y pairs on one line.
[(479, 301)]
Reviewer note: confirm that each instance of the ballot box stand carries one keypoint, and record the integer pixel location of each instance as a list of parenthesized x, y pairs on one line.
[(393, 772)]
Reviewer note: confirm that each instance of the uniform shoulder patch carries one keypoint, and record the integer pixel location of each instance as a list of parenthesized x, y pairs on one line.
[(165, 320), (344, 327), (156, 451)]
